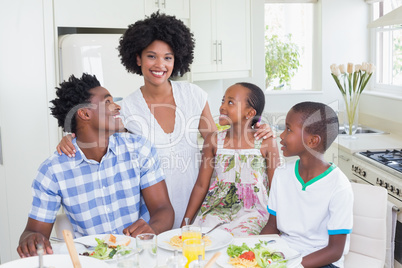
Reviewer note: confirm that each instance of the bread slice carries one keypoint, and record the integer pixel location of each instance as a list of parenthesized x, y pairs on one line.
[(111, 242), (125, 241)]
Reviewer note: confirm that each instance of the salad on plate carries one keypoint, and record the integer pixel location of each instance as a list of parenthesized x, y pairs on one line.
[(259, 256), (108, 247)]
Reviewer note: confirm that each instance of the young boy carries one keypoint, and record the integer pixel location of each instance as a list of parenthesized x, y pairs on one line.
[(311, 201)]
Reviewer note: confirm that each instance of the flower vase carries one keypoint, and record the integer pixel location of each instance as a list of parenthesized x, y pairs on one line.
[(351, 119)]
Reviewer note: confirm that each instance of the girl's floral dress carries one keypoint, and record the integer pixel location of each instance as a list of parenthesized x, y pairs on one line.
[(239, 194)]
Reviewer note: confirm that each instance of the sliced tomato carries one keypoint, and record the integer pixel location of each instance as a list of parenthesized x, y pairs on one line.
[(249, 255)]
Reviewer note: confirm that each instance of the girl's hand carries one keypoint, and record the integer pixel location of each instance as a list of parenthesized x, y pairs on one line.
[(66, 146), (263, 131)]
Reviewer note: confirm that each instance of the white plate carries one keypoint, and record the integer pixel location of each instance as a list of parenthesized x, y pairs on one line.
[(219, 239), (90, 240), (55, 260), (280, 245)]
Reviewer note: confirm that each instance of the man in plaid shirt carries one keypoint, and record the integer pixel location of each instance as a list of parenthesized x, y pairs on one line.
[(103, 188)]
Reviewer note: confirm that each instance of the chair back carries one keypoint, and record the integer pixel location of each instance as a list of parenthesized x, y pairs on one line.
[(368, 238)]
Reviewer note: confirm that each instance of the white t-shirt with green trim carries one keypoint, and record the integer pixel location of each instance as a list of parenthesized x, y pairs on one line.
[(307, 213)]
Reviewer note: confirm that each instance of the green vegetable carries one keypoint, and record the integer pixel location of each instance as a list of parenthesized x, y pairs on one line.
[(263, 255), (103, 252), (234, 251)]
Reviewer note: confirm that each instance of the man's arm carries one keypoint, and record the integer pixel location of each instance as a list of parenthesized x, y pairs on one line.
[(160, 209), (36, 232)]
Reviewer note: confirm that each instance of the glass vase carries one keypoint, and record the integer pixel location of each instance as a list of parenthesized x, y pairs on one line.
[(351, 118)]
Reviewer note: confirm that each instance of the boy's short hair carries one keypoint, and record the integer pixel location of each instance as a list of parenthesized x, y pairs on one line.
[(319, 119), (157, 27), (70, 96)]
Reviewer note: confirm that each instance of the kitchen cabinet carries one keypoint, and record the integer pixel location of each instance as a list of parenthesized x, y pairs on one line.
[(97, 13), (28, 132), (178, 8), (222, 39), (341, 158)]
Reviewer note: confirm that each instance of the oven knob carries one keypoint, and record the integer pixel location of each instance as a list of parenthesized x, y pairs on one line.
[(391, 188), (386, 185), (380, 182), (397, 191), (364, 173)]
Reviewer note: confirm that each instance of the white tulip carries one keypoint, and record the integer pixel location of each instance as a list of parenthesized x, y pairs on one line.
[(342, 68), (364, 66), (350, 67), (370, 68)]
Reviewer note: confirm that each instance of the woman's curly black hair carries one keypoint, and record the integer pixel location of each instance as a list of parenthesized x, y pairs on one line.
[(72, 95), (157, 27)]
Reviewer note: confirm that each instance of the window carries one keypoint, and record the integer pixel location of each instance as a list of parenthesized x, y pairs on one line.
[(289, 45), (387, 50)]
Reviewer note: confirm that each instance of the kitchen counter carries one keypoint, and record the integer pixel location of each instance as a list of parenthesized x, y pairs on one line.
[(365, 142)]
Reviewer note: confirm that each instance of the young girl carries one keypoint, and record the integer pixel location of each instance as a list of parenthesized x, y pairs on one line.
[(168, 113), (244, 167)]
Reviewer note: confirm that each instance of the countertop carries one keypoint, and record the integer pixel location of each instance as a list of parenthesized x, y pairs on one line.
[(365, 142)]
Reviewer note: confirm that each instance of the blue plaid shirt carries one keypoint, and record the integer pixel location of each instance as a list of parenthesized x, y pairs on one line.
[(98, 197)]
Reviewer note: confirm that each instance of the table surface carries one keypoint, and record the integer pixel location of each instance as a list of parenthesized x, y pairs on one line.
[(164, 254)]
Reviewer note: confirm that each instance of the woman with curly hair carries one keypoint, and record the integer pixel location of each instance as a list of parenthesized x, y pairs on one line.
[(169, 113)]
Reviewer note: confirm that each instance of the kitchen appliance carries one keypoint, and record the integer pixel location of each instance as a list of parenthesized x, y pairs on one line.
[(97, 54), (383, 168)]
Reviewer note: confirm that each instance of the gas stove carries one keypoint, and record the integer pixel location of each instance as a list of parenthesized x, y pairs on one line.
[(389, 158)]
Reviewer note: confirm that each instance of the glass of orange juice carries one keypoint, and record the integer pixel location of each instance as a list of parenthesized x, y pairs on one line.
[(192, 248), (190, 231)]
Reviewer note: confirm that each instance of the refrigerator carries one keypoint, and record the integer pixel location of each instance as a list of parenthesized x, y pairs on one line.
[(97, 54)]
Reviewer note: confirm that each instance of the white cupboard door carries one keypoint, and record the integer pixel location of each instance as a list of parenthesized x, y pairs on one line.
[(203, 26), (178, 8), (24, 111), (233, 35), (97, 13), (222, 35)]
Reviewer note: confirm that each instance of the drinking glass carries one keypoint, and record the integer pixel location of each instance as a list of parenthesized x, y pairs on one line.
[(192, 248), (190, 231), (130, 260), (147, 248)]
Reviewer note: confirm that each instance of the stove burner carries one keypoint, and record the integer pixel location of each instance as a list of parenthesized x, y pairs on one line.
[(389, 158)]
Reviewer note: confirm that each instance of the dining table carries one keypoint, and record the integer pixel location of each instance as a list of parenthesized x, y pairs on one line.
[(163, 254)]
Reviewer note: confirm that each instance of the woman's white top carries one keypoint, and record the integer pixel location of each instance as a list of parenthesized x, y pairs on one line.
[(178, 151)]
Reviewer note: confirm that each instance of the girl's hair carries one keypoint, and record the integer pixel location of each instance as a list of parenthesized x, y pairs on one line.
[(71, 94), (161, 27), (256, 100)]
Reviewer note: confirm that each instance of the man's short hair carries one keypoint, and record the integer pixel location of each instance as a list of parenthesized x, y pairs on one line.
[(72, 95), (319, 119)]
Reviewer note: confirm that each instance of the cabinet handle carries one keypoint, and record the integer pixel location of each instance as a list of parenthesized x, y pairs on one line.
[(344, 158), (220, 49), (157, 3), (1, 151), (216, 51), (164, 4)]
